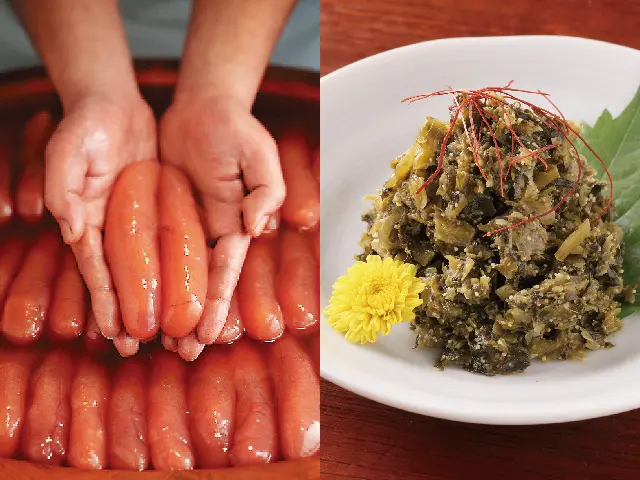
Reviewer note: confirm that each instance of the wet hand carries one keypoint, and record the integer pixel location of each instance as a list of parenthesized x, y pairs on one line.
[(96, 139), (232, 161)]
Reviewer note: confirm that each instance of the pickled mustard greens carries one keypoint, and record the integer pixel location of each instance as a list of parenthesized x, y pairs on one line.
[(513, 237)]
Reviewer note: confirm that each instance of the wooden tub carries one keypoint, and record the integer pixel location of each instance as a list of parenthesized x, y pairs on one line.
[(284, 94)]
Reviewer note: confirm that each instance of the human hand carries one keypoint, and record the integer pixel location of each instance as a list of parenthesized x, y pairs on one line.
[(226, 152), (98, 136)]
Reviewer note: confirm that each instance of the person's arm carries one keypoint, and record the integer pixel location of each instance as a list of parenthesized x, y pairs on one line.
[(229, 45), (82, 44)]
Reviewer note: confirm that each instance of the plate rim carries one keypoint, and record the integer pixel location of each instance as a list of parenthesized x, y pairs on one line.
[(483, 38)]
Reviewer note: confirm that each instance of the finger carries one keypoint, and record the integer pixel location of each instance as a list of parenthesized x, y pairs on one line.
[(169, 343), (66, 168), (263, 177), (233, 327), (126, 344), (225, 264), (189, 348), (224, 217), (89, 254)]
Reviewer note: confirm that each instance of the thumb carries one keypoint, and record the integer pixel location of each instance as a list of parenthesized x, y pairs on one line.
[(65, 170)]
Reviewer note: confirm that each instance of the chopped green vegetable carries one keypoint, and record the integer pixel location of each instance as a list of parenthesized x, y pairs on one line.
[(573, 241)]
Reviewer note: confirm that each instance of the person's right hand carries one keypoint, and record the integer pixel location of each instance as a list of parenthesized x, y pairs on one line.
[(98, 136)]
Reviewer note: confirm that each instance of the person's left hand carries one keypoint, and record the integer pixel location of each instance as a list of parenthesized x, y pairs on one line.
[(232, 161)]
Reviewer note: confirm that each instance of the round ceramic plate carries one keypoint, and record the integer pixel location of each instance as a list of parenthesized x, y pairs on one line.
[(364, 126)]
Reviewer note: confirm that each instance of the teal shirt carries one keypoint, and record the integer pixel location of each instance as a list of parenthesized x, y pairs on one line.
[(157, 29)]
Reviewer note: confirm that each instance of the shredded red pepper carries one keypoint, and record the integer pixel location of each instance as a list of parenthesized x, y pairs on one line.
[(471, 99)]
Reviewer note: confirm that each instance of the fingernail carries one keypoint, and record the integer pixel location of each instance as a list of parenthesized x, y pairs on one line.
[(216, 316), (92, 334), (260, 225), (272, 224), (65, 229)]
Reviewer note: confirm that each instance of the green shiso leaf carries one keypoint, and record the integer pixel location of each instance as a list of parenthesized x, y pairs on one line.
[(617, 142)]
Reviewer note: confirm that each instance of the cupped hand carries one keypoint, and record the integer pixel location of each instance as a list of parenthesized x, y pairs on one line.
[(232, 161), (96, 139)]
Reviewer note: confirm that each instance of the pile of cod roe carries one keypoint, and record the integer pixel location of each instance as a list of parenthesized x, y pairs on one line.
[(72, 400)]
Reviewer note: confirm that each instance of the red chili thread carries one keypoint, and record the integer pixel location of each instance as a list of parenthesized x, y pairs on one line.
[(527, 155)]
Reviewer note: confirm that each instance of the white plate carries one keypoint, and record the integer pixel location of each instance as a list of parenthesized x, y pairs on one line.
[(364, 125)]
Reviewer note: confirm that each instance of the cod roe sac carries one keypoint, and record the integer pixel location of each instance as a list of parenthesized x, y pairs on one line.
[(67, 314), (184, 255), (89, 396), (128, 442), (15, 370), (301, 207), (30, 191), (45, 436), (255, 439), (297, 283), (168, 429), (27, 303), (297, 389), (131, 247), (6, 173), (261, 313)]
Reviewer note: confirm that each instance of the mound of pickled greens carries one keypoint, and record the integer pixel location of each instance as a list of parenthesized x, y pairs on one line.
[(548, 289)]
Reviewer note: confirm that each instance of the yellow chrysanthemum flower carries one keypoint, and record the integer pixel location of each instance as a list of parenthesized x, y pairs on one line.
[(373, 296)]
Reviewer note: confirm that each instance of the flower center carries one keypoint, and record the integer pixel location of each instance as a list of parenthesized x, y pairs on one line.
[(380, 295)]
